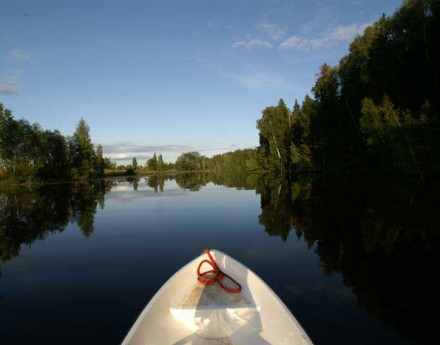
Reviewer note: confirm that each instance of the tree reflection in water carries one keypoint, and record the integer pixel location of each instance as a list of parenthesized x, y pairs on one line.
[(156, 182), (30, 214), (382, 236), (192, 182)]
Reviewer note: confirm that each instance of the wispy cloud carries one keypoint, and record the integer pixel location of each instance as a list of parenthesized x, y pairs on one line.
[(19, 55), (323, 17), (292, 41), (274, 31), (7, 89), (335, 35), (9, 84), (124, 147), (124, 151), (303, 42), (255, 79), (252, 43), (345, 33), (128, 157)]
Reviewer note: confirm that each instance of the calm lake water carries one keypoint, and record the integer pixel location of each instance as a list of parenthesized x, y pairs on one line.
[(354, 261)]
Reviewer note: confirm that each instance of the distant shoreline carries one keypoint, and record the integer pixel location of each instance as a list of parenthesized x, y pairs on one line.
[(113, 175), (122, 173)]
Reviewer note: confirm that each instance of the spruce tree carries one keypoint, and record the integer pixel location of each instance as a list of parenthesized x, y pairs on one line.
[(134, 163), (160, 163), (83, 153)]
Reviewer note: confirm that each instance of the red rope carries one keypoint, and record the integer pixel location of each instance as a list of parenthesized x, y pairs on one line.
[(218, 275)]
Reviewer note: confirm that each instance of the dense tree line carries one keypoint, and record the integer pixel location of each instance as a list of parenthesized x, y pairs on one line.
[(191, 161), (378, 108), (27, 151), (156, 163), (235, 161)]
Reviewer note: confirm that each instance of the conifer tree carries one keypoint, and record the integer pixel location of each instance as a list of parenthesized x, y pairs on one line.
[(160, 163), (134, 163), (82, 152)]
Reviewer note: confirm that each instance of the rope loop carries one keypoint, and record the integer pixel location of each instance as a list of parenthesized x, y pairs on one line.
[(217, 275)]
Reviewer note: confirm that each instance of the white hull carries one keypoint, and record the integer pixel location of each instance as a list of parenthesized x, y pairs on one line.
[(183, 312)]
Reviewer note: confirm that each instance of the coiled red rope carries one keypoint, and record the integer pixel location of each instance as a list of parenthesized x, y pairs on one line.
[(217, 273)]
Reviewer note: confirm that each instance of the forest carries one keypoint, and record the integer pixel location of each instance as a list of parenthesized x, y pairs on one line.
[(28, 152), (377, 111)]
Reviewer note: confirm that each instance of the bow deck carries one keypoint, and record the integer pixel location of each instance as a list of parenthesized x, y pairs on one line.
[(214, 296)]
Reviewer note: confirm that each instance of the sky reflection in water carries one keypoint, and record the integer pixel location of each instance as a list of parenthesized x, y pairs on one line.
[(121, 240)]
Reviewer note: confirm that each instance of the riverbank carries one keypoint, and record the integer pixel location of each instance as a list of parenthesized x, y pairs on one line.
[(108, 174), (146, 172)]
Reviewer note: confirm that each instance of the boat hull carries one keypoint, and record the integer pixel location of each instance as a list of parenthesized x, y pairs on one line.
[(181, 314)]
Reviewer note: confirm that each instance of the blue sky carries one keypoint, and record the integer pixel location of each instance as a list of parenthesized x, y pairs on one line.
[(168, 76)]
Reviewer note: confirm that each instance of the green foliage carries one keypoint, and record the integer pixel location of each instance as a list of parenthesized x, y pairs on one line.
[(152, 163), (134, 164), (285, 138), (191, 161), (300, 149), (82, 151), (160, 164), (100, 161), (395, 64), (108, 164), (274, 138), (54, 158), (390, 135), (20, 145), (238, 161), (168, 166), (28, 152)]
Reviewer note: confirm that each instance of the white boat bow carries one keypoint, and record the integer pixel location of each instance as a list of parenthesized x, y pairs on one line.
[(185, 312)]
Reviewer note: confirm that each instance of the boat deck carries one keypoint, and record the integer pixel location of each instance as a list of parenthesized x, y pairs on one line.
[(213, 296)]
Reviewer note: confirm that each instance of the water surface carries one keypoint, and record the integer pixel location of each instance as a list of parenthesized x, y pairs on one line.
[(354, 264)]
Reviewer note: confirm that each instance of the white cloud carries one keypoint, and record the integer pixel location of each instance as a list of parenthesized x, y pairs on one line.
[(345, 33), (262, 80), (125, 148), (292, 41), (9, 85), (335, 35), (7, 89), (251, 44), (274, 31), (129, 157), (124, 152), (303, 43), (19, 55)]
